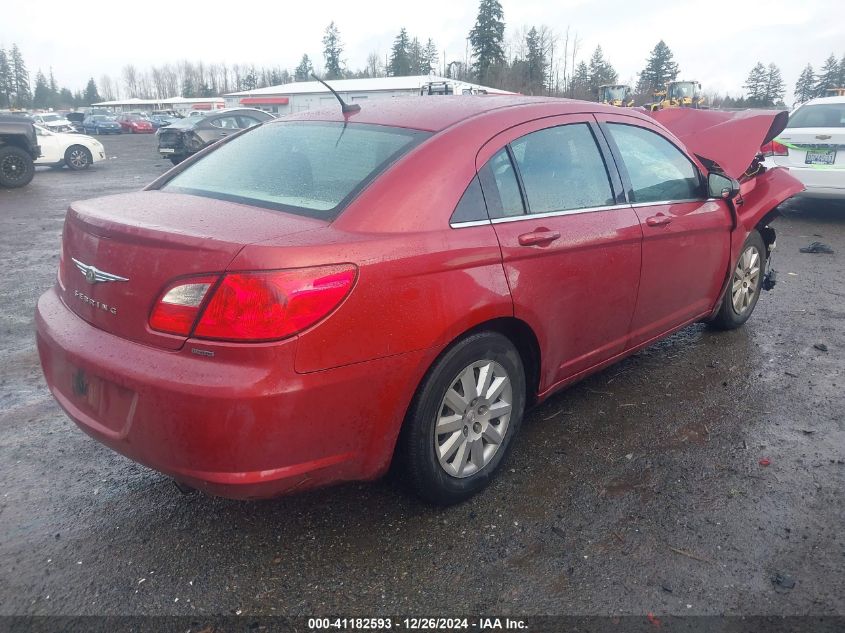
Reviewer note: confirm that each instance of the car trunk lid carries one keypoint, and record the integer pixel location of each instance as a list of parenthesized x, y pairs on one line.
[(119, 252), (821, 148)]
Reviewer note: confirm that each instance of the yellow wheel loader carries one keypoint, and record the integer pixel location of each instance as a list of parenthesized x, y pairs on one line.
[(618, 95)]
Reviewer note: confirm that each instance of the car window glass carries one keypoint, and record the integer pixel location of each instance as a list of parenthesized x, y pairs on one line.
[(247, 121), (657, 169), (226, 123), (562, 169), (818, 115), (309, 168), (501, 189), (471, 207)]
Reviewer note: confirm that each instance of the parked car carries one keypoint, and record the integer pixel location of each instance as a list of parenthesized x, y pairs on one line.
[(812, 147), (135, 123), (322, 295), (185, 137), (101, 124), (76, 119), (52, 121), (76, 151), (18, 150), (162, 120)]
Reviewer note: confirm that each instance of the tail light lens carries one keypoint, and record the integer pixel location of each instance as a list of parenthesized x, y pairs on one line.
[(252, 306), (177, 309), (774, 149)]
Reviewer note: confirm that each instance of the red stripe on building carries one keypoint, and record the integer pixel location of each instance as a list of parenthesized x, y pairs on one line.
[(264, 101)]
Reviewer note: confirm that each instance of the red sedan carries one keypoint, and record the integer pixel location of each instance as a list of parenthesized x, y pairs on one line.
[(135, 123), (309, 299)]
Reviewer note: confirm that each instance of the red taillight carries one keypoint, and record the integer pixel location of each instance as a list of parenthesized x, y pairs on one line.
[(253, 306), (177, 309), (774, 149)]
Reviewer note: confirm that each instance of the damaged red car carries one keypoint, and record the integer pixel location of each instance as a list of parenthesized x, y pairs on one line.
[(313, 298)]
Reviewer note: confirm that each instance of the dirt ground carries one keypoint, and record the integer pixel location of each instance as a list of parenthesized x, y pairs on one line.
[(638, 490)]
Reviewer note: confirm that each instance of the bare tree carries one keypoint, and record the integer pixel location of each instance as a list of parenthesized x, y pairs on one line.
[(130, 80)]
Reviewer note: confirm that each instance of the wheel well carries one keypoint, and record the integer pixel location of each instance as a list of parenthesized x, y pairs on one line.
[(522, 336)]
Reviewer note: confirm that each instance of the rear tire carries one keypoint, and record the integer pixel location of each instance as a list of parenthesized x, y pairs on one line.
[(457, 435), (78, 157), (744, 287), (16, 167)]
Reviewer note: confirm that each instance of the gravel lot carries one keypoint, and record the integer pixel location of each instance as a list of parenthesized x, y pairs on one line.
[(638, 490)]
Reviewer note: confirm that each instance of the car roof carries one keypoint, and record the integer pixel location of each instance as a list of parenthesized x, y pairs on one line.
[(821, 100), (436, 113)]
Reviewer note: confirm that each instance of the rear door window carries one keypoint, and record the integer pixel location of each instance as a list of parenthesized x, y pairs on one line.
[(562, 169), (658, 171)]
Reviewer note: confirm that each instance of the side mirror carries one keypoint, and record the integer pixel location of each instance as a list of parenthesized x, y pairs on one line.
[(720, 186)]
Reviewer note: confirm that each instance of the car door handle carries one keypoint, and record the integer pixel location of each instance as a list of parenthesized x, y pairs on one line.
[(658, 220), (538, 238)]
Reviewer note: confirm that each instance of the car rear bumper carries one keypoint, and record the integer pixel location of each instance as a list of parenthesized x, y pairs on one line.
[(241, 424), (818, 182)]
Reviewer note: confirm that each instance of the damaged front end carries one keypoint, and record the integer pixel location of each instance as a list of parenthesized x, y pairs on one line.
[(728, 143)]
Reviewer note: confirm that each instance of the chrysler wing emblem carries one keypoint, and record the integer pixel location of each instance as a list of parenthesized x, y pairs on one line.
[(823, 137), (94, 275)]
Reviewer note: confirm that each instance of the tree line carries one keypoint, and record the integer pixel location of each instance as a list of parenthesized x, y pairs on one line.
[(535, 61)]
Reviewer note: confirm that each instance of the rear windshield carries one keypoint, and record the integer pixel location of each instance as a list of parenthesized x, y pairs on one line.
[(818, 115), (309, 168)]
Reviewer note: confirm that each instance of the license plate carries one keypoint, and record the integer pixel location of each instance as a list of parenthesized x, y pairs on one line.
[(820, 157), (167, 150)]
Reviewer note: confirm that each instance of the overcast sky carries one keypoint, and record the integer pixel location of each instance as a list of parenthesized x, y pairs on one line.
[(714, 41)]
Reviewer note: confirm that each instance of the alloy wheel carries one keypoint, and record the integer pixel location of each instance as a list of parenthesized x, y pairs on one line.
[(473, 418), (78, 158), (13, 167), (746, 279)]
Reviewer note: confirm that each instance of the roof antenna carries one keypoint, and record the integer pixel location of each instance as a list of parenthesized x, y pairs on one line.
[(344, 107)]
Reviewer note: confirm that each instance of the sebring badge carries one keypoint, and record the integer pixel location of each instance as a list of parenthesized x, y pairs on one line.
[(94, 275)]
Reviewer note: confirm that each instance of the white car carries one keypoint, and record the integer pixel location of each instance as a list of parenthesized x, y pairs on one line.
[(77, 151), (52, 121), (812, 147)]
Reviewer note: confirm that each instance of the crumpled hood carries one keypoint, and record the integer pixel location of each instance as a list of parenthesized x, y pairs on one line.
[(730, 139)]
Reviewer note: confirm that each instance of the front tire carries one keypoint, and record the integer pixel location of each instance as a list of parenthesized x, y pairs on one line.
[(78, 157), (461, 424), (16, 167), (744, 288)]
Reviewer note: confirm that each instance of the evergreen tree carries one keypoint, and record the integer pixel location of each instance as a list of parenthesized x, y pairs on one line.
[(805, 87), (6, 82), (580, 86), (41, 96), (20, 79), (91, 94), (304, 70), (66, 98), (601, 72), (828, 76), (486, 39), (841, 82), (775, 86), (535, 63), (430, 57), (400, 56), (332, 50), (756, 85), (415, 55), (660, 68)]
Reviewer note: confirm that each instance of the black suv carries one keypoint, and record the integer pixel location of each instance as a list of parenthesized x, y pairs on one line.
[(183, 138), (18, 149)]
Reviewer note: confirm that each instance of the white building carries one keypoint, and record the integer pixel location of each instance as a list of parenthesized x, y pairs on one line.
[(181, 105), (311, 95)]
